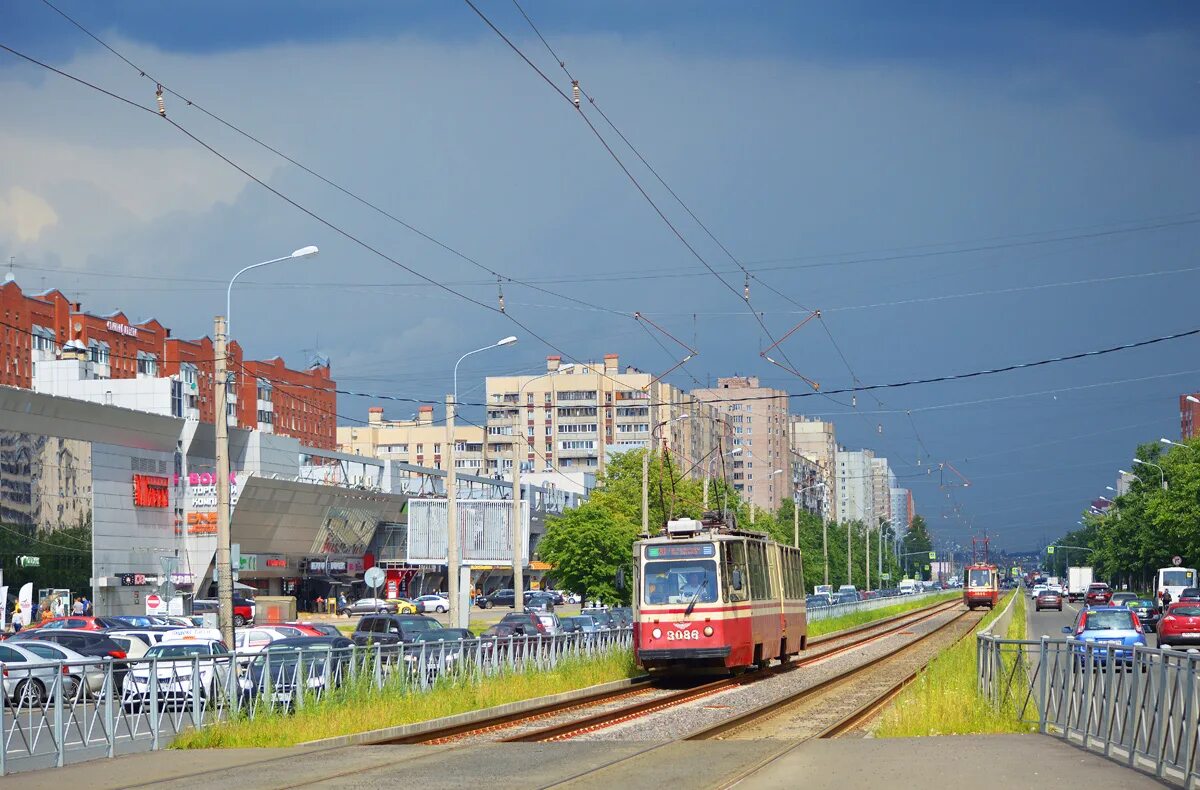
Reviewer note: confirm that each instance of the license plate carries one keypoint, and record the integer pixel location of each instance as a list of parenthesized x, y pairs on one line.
[(1190, 636)]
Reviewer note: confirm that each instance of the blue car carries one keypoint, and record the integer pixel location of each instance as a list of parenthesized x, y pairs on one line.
[(1103, 626)]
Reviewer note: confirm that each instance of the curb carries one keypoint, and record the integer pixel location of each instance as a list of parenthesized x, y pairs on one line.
[(470, 717)]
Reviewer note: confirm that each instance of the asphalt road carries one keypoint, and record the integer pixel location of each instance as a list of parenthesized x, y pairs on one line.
[(1050, 623)]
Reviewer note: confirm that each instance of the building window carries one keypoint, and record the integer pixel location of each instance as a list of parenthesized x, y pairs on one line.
[(147, 364)]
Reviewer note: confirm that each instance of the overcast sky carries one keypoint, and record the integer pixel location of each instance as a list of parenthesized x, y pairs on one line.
[(956, 188)]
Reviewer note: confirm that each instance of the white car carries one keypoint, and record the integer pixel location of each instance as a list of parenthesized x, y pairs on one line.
[(249, 642), (432, 603), (1037, 588), (199, 666)]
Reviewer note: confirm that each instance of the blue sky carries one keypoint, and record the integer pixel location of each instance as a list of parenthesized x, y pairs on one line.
[(808, 137)]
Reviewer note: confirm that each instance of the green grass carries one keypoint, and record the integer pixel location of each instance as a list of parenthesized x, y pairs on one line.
[(845, 621), (944, 699), (360, 706)]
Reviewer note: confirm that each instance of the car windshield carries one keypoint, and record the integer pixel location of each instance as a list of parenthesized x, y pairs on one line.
[(290, 654), (1097, 588), (178, 651), (1186, 611), (1048, 594), (678, 581), (1109, 621), (1140, 603), (421, 624)]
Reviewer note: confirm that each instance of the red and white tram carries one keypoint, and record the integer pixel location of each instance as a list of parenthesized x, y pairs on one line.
[(710, 597), (981, 587)]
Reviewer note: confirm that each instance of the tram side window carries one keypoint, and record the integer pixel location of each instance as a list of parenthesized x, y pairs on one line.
[(735, 558), (756, 559), (793, 578)]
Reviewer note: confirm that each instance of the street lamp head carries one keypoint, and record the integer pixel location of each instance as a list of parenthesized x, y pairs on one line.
[(508, 341), (1192, 399), (1109, 488), (1138, 461), (305, 252), (567, 368), (735, 451)]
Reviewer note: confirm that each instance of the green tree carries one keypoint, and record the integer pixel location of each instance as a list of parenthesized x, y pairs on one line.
[(587, 546)]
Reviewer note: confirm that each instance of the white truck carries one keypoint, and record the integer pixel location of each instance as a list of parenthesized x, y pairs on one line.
[(1079, 578)]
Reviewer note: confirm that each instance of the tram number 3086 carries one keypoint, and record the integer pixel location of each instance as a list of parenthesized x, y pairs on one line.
[(684, 635)]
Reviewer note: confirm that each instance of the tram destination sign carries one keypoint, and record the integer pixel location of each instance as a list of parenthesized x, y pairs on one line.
[(680, 551)]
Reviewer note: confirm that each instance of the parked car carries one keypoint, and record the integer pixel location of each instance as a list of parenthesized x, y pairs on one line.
[(243, 609), (325, 661), (392, 629), (182, 669), (85, 677), (550, 622), (1146, 611), (368, 606), (432, 603), (149, 635), (78, 623), (1104, 626), (133, 646), (442, 648), (539, 602), (525, 623), (25, 685), (88, 643), (846, 597), (816, 601), (1121, 598), (318, 629), (404, 605), (289, 630), (603, 618), (1098, 594), (1180, 625), (579, 624), (496, 598), (623, 614), (1048, 599)]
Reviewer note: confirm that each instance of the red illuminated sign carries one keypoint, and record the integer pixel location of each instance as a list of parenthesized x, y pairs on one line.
[(151, 491), (276, 563)]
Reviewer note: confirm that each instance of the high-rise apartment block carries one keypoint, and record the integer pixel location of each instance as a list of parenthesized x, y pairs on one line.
[(572, 417), (419, 441), (758, 418)]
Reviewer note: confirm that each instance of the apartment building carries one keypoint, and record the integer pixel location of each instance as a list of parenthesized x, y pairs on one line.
[(815, 442), (573, 417), (902, 509), (418, 441), (139, 364), (855, 497), (883, 480), (758, 418)]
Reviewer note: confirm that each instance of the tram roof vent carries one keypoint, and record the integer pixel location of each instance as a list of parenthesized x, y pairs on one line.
[(684, 526)]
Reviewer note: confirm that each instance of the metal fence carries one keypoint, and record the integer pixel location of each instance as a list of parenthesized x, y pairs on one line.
[(1137, 705), (816, 613), (68, 711)]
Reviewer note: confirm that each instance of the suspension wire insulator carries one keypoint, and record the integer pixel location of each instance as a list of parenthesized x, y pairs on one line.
[(500, 289), (746, 288), (575, 92), (162, 106)]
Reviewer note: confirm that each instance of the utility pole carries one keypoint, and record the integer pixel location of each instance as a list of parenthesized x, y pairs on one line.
[(825, 545), (849, 553), (518, 561), (706, 489), (867, 564), (221, 426), (453, 562), (796, 522), (646, 488)]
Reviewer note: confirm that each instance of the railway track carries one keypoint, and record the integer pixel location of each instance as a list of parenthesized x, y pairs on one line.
[(812, 695), (648, 698)]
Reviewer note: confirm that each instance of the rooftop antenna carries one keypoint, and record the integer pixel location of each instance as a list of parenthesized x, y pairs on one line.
[(12, 264)]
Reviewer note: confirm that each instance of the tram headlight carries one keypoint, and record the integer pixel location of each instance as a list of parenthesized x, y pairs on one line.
[(708, 630), (656, 633)]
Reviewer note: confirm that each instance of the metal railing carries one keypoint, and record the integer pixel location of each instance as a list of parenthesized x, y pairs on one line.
[(815, 613), (56, 712), (1136, 705)]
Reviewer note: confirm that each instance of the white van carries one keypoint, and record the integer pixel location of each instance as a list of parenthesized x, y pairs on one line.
[(909, 587)]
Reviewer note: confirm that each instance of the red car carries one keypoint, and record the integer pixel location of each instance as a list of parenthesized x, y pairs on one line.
[(1180, 625), (79, 623), (1098, 594)]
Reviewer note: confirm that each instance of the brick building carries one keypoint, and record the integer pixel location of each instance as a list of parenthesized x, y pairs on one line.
[(265, 395)]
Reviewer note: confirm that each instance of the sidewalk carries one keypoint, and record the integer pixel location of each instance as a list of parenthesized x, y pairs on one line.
[(978, 762)]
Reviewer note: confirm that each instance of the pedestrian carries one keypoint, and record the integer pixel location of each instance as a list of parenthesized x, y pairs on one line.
[(1166, 599), (18, 618), (87, 607), (320, 604), (77, 607), (342, 600)]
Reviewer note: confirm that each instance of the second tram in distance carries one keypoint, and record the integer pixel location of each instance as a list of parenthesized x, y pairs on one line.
[(711, 597), (981, 585)]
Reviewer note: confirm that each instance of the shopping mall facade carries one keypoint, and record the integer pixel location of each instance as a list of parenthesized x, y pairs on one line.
[(120, 504)]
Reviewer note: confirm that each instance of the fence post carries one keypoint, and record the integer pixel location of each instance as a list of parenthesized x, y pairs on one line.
[(110, 726), (1161, 723), (1043, 669), (59, 740), (1134, 702), (1189, 720)]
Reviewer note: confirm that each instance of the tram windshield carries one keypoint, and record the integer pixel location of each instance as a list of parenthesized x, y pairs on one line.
[(980, 578), (680, 581)]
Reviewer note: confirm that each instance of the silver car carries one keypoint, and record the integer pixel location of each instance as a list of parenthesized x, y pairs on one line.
[(28, 678), (83, 673), (550, 622)]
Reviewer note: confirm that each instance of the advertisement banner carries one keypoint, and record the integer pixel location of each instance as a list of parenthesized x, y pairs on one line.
[(3, 607), (25, 600)]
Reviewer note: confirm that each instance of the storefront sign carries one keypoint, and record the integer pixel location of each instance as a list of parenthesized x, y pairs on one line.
[(202, 501), (122, 329), (150, 491), (137, 579), (274, 562), (202, 523), (248, 562)]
